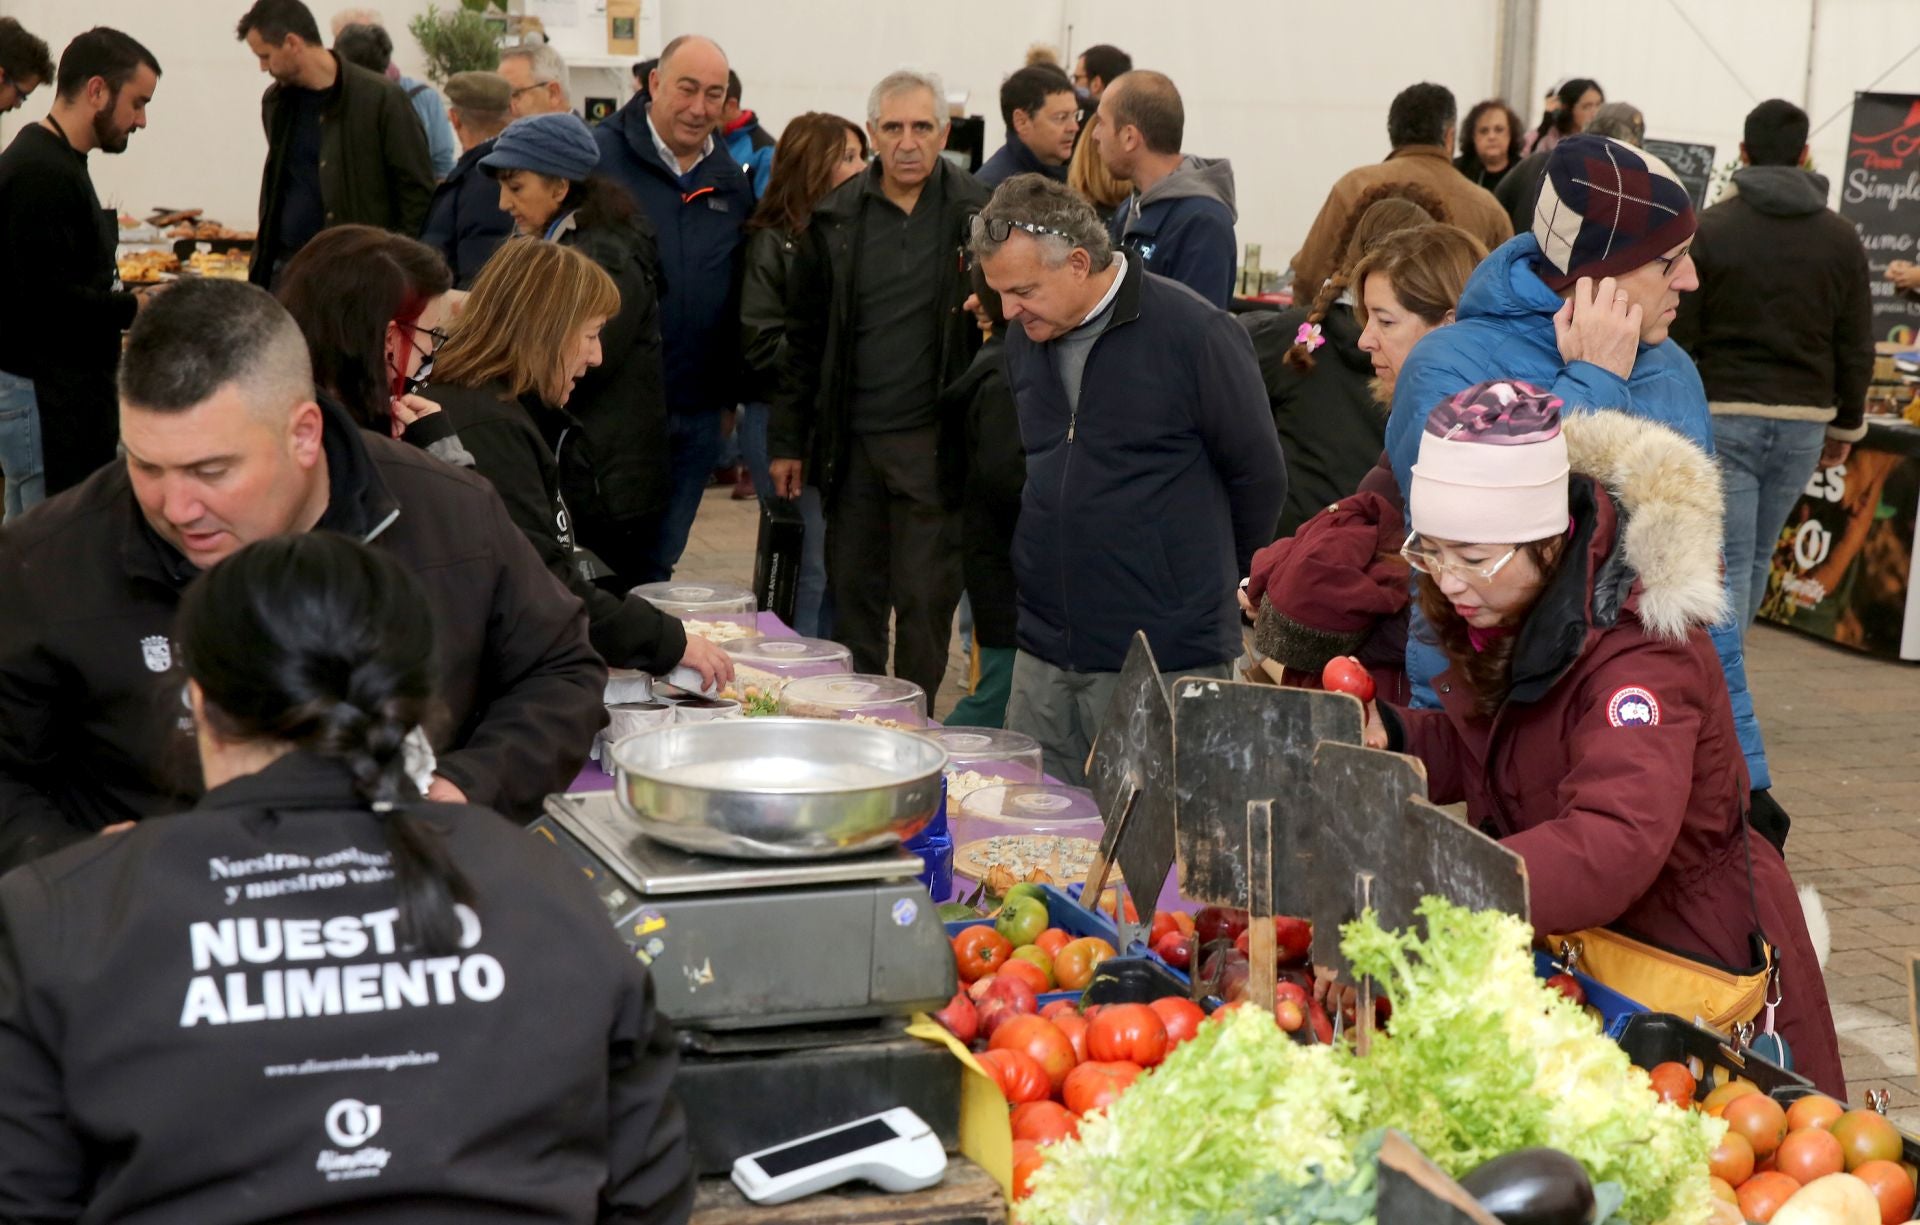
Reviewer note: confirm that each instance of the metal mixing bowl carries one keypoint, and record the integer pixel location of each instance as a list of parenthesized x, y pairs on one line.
[(779, 788)]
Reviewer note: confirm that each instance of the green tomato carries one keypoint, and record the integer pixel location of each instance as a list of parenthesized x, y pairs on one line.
[(1021, 920), (1038, 956), (1027, 888)]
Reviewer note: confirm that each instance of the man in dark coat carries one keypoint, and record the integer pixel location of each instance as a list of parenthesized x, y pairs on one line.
[(874, 331), (61, 305), (226, 445), (343, 144), (662, 148), (1043, 122), (1153, 472), (464, 221)]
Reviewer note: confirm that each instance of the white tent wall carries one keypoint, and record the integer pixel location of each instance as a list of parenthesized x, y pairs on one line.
[(1294, 94)]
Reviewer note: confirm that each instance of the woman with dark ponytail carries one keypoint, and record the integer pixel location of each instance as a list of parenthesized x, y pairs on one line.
[(301, 995)]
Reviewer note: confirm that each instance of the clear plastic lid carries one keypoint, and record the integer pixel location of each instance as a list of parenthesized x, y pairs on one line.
[(1042, 831), (792, 657), (690, 598), (986, 757), (871, 699)]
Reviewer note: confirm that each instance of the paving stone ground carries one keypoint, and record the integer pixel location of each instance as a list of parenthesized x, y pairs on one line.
[(1843, 740)]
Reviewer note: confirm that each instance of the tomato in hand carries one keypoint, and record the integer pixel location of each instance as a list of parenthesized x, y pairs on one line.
[(1042, 1040), (1073, 965), (1181, 1017), (1020, 1078), (1345, 674), (979, 951), (1091, 1086), (1131, 1033), (1044, 1122)]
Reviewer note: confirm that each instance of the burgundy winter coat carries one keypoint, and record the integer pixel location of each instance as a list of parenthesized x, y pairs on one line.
[(1613, 767)]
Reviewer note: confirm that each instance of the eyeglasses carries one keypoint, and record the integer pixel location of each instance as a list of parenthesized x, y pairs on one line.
[(525, 88), (999, 229), (1433, 564), (435, 336), (1668, 261)]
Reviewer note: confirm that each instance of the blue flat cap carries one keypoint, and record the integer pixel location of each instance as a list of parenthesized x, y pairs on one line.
[(560, 145)]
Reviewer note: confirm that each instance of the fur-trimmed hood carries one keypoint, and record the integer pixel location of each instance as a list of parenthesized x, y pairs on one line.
[(1671, 509)]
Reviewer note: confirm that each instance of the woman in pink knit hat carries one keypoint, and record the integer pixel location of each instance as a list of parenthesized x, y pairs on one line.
[(1569, 568)]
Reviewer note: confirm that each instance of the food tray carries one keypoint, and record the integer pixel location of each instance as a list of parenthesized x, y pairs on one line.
[(696, 599), (884, 700)]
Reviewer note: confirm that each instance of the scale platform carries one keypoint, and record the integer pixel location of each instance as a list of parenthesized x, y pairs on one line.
[(755, 944)]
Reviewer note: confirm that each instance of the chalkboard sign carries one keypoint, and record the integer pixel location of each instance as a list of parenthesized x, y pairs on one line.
[(1881, 196), (1693, 164)]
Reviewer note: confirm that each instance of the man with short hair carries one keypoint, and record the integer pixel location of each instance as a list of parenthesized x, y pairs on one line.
[(1581, 306), (227, 444), (1098, 67), (1519, 189), (371, 47), (662, 147), (750, 145), (62, 308), (875, 329), (343, 144), (465, 222), (537, 78), (25, 65), (1153, 472), (1179, 220), (1043, 122), (1420, 126), (1782, 331)]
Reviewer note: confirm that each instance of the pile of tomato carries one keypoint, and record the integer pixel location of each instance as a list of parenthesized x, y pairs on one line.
[(1770, 1152)]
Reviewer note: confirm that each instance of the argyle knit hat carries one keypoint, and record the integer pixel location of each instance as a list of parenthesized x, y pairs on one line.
[(1606, 208), (1492, 467)]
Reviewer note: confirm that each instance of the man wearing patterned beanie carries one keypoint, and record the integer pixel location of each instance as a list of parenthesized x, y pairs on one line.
[(1580, 306)]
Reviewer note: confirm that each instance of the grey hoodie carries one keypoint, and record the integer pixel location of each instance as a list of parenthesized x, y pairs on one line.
[(1207, 178), (1780, 191), (1182, 227)]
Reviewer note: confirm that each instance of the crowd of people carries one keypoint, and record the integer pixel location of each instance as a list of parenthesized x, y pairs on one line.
[(333, 563)]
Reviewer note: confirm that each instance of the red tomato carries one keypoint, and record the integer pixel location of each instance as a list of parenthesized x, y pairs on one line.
[(1075, 1027), (1345, 674), (1059, 1008), (1044, 1122), (1165, 921), (979, 951), (1287, 988), (1091, 1086), (1672, 1083), (1762, 1195), (1760, 1119), (1806, 1155), (1027, 1158), (1891, 1186), (1027, 972), (1181, 1017), (1037, 1037), (1073, 965), (1053, 940), (959, 1017), (1131, 1033), (1020, 1078), (1176, 949)]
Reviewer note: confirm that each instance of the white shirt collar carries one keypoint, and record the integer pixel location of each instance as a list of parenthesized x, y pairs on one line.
[(1113, 290), (667, 155)]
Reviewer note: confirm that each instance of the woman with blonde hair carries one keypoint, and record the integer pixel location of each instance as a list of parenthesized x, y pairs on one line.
[(1088, 175), (531, 329)]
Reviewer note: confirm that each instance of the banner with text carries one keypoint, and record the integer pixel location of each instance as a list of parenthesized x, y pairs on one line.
[(1881, 196)]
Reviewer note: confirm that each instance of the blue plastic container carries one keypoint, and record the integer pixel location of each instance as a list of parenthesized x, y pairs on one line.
[(1615, 1009), (934, 846)]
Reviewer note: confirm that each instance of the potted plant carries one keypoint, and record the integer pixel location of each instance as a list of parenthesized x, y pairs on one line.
[(460, 40)]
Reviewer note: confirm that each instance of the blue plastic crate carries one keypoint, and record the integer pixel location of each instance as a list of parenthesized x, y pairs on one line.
[(1615, 1009)]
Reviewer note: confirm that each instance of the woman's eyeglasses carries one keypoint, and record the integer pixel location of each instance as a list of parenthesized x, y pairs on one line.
[(1427, 562)]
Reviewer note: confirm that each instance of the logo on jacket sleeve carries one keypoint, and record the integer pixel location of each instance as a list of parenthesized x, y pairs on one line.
[(158, 653), (1633, 706)]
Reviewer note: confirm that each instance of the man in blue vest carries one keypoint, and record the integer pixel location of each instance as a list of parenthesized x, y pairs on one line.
[(662, 147)]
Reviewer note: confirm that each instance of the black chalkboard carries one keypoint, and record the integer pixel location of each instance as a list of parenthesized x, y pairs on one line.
[(1692, 163), (1880, 194)]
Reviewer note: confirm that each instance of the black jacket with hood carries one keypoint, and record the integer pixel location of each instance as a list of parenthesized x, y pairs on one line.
[(809, 419), (1182, 227), (541, 463), (374, 165), (93, 723), (464, 221), (985, 479), (1331, 428), (209, 1020), (1783, 319)]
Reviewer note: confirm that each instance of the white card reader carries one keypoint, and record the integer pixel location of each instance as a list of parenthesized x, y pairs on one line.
[(894, 1150)]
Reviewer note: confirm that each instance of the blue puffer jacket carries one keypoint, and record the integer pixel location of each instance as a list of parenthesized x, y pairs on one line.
[(1504, 329)]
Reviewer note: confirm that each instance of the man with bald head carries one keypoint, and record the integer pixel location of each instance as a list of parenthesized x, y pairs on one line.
[(1179, 220), (662, 148)]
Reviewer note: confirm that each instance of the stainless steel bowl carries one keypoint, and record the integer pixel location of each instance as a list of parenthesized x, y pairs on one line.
[(779, 788)]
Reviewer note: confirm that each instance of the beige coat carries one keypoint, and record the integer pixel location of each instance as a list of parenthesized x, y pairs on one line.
[(1471, 208)]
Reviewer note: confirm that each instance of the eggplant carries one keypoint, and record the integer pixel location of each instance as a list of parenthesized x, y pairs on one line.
[(1535, 1186)]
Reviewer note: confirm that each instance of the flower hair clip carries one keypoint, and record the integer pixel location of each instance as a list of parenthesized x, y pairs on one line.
[(1309, 335)]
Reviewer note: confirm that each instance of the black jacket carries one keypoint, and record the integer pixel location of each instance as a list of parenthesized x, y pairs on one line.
[(1519, 189), (763, 311), (1470, 165), (1784, 313), (540, 461), (621, 403), (464, 220), (374, 165), (986, 483), (809, 413), (159, 1064), (1331, 428), (93, 727), (699, 219), (1144, 506), (1013, 158)]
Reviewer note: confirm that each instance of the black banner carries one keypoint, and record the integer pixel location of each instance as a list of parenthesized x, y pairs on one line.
[(1881, 196)]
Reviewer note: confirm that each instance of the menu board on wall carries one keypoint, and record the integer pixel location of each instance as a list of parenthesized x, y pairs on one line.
[(1692, 163), (1880, 194)]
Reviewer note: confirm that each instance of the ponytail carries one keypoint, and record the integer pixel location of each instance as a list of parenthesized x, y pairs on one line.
[(317, 643), (1300, 356), (1381, 210)]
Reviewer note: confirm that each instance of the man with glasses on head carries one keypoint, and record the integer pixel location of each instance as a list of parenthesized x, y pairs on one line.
[(536, 80), (1153, 472), (875, 329), (1581, 306), (62, 307), (25, 65)]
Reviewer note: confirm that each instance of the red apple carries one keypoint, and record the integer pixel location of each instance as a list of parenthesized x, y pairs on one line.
[(1569, 986), (1218, 923), (960, 1017), (1005, 999), (1176, 949), (1288, 1013), (1292, 938)]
